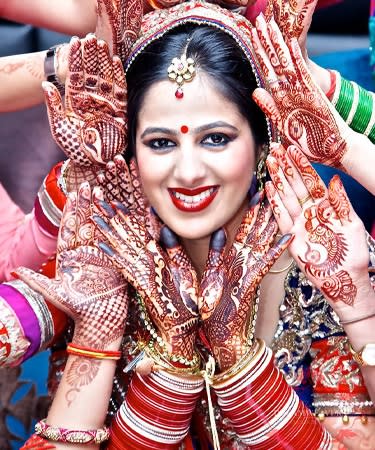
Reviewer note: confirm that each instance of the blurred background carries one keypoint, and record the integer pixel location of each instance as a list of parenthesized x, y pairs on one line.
[(339, 39)]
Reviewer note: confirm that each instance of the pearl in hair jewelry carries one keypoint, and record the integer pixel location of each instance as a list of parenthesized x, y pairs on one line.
[(180, 71)]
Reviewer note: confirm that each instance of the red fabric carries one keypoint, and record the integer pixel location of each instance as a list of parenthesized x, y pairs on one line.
[(37, 443)]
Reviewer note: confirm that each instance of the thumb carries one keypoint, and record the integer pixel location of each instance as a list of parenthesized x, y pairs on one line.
[(45, 286), (55, 110)]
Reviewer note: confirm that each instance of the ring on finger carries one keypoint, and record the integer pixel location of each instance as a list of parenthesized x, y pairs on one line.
[(303, 200)]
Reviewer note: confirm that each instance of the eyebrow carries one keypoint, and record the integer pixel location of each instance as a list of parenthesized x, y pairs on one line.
[(208, 126)]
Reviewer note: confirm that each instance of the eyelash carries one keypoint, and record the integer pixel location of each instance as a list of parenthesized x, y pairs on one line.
[(164, 144)]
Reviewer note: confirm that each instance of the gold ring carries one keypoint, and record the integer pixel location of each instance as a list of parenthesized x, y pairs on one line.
[(303, 200)]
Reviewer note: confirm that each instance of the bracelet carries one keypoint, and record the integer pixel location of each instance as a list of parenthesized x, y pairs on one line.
[(332, 87), (51, 66), (56, 434), (77, 350), (357, 319)]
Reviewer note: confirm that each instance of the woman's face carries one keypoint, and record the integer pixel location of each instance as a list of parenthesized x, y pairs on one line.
[(196, 157)]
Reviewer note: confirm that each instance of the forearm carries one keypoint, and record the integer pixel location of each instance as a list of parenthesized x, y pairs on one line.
[(73, 17)]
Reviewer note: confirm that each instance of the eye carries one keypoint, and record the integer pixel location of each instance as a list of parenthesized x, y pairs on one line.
[(161, 144), (216, 140)]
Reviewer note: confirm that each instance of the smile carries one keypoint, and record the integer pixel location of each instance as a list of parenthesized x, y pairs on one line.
[(193, 200)]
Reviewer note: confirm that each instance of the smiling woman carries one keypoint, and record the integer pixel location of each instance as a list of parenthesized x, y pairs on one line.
[(190, 252)]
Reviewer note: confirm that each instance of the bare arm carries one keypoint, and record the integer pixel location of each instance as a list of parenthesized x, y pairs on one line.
[(73, 17), (21, 79)]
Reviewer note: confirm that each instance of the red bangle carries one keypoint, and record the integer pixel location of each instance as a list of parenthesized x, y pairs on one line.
[(78, 350), (332, 86)]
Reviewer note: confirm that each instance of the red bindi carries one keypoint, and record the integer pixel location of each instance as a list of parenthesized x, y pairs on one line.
[(184, 129)]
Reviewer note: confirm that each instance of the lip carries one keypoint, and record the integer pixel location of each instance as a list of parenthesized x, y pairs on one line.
[(195, 206)]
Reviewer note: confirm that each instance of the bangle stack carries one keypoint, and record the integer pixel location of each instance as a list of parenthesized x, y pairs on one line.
[(263, 409), (156, 412), (355, 105)]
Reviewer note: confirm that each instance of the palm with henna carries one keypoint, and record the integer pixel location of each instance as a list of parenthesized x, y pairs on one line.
[(227, 301), (165, 280), (87, 286), (330, 243), (300, 110)]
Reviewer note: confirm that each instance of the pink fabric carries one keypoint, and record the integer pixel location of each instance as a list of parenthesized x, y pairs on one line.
[(22, 241)]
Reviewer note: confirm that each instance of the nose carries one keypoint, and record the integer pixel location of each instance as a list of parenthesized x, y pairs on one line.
[(190, 169)]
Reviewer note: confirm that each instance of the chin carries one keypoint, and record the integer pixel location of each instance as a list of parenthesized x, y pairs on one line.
[(193, 231)]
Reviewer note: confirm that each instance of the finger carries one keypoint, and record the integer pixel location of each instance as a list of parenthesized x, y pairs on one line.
[(286, 65), (271, 51), (90, 61), (281, 213), (105, 69), (310, 177), (75, 78), (250, 217), (84, 228), (216, 250), (43, 285), (173, 248), (55, 111), (340, 200), (264, 230), (125, 182), (263, 58), (129, 29), (267, 104), (119, 87), (292, 190), (66, 237), (97, 194), (111, 175), (301, 69), (104, 28), (275, 252), (140, 203)]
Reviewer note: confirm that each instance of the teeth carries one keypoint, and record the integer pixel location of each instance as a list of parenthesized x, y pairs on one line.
[(194, 198)]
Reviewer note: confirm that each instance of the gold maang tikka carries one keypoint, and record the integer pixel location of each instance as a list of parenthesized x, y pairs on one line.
[(180, 71)]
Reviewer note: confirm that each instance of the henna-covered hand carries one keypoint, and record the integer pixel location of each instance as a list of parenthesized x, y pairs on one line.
[(330, 240), (119, 22), (293, 18), (297, 106), (166, 281), (228, 297), (91, 127), (87, 286)]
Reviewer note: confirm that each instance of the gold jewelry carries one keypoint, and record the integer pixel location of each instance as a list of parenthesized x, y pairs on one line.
[(365, 356), (303, 200), (181, 70), (283, 269)]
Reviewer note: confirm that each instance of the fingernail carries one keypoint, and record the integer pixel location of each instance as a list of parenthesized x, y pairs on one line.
[(119, 206), (106, 249), (102, 224), (168, 238), (257, 198), (218, 240), (15, 275), (106, 208), (286, 239)]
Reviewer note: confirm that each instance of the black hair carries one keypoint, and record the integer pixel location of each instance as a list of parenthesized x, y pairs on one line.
[(215, 53)]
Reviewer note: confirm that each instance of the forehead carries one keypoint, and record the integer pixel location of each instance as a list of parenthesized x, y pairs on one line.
[(202, 102)]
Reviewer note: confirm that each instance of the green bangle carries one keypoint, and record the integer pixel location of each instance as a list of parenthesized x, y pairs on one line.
[(346, 98)]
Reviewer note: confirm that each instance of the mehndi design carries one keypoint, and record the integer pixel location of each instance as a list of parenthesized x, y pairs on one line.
[(294, 98), (228, 298), (321, 248), (91, 128)]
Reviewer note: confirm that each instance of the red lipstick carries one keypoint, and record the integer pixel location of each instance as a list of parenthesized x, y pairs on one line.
[(193, 200)]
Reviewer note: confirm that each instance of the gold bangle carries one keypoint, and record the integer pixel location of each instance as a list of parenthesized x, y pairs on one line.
[(283, 269), (241, 365)]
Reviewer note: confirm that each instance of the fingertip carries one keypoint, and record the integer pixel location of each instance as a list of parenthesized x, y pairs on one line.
[(218, 240), (106, 249), (168, 238), (286, 239)]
